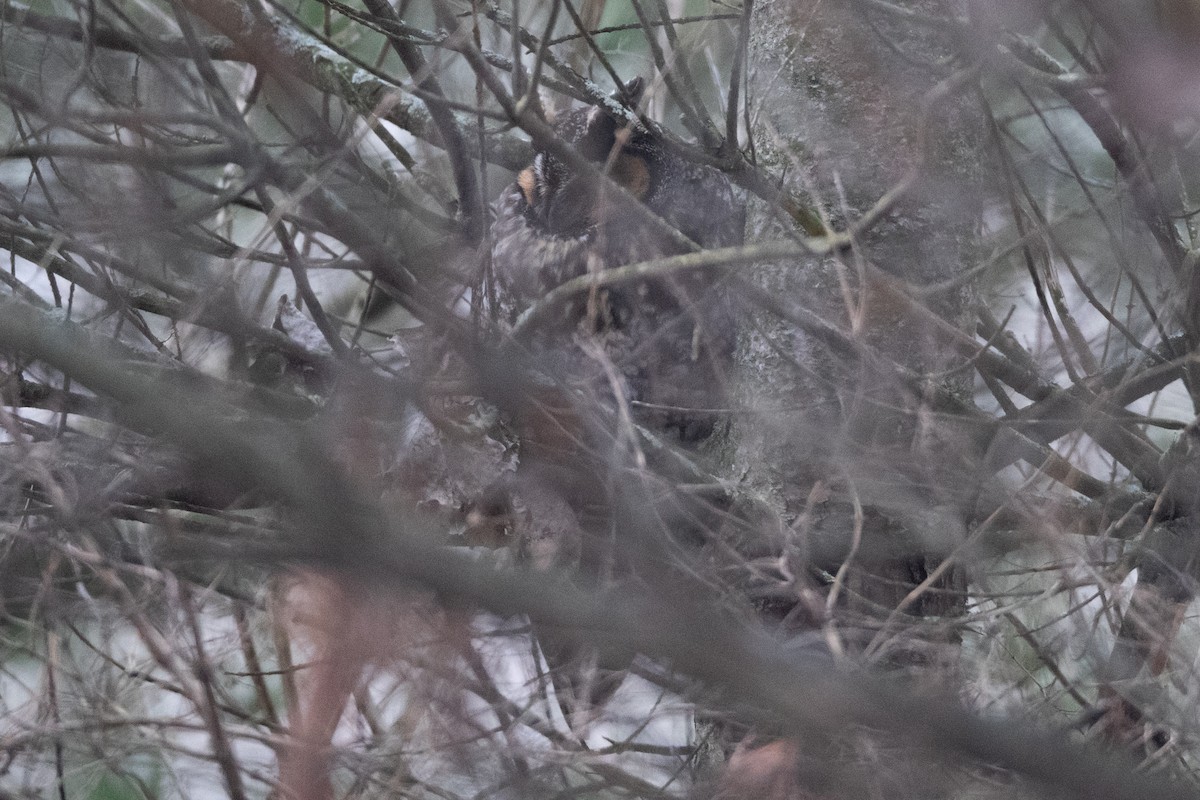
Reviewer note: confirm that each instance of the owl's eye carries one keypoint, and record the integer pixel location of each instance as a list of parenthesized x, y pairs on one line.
[(633, 173)]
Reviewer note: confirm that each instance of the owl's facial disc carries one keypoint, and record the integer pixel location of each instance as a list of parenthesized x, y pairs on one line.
[(580, 203), (527, 180), (632, 173)]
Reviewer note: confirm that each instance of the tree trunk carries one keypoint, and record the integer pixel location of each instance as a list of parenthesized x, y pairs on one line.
[(846, 438)]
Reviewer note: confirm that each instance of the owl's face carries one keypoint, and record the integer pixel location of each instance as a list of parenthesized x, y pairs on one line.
[(553, 224), (668, 338), (560, 202)]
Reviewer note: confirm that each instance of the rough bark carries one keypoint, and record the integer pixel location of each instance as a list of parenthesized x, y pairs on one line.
[(848, 444)]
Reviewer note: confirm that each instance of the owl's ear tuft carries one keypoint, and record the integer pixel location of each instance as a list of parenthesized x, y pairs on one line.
[(600, 137), (604, 133), (631, 93)]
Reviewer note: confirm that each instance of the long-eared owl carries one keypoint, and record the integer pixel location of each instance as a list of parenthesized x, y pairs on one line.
[(669, 338)]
